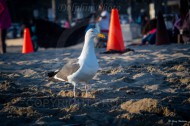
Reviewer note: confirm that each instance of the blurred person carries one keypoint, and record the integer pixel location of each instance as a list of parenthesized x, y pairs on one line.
[(150, 37), (186, 28), (24, 24), (182, 24), (5, 23), (149, 32), (103, 25), (150, 25), (145, 20), (104, 22), (66, 24), (100, 21), (174, 31), (32, 27)]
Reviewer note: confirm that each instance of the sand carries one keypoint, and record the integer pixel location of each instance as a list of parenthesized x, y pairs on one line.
[(150, 86)]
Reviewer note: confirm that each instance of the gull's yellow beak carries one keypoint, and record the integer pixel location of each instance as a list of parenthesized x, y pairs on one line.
[(101, 36)]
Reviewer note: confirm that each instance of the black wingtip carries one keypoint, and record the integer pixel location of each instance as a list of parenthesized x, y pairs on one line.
[(51, 74)]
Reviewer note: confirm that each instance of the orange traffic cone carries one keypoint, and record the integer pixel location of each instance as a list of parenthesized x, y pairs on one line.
[(115, 38), (27, 45)]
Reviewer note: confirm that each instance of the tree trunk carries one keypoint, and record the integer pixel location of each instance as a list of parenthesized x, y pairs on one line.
[(69, 10), (53, 9)]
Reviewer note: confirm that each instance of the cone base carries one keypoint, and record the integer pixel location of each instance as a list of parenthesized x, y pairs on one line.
[(118, 52)]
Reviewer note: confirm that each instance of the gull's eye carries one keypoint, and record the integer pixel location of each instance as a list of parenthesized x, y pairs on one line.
[(91, 31)]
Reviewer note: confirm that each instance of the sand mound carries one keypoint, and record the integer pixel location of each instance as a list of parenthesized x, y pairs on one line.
[(146, 105)]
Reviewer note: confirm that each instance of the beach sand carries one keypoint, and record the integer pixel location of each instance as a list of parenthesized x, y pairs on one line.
[(150, 86)]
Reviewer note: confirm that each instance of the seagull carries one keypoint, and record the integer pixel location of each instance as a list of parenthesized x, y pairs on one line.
[(84, 67)]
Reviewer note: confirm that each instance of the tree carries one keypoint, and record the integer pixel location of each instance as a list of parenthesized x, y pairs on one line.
[(69, 10)]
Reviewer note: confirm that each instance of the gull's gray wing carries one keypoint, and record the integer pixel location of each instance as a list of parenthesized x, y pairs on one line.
[(68, 69)]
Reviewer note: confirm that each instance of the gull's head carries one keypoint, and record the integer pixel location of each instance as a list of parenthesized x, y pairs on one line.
[(92, 33)]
